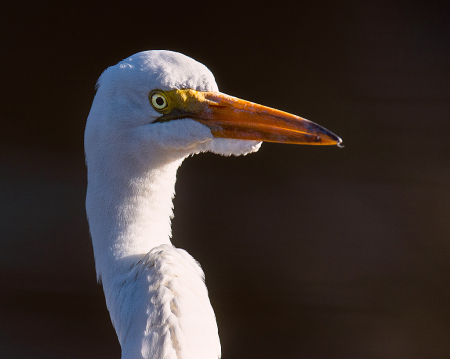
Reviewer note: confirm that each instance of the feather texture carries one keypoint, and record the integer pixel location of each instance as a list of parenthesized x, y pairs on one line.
[(168, 286)]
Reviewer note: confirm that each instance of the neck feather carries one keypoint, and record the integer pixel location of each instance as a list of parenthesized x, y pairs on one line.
[(155, 293), (129, 212)]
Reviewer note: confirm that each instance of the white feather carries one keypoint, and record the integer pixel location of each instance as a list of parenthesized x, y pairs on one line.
[(155, 293)]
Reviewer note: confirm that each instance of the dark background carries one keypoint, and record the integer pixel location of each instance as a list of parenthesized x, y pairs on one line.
[(309, 252)]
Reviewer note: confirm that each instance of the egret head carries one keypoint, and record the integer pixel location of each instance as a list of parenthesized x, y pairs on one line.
[(166, 101)]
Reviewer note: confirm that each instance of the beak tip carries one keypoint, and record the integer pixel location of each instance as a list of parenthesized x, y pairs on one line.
[(335, 140)]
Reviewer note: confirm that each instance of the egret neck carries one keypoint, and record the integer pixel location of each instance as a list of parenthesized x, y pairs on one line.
[(154, 292), (132, 210)]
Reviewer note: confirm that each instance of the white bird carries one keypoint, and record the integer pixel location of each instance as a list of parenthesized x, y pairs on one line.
[(150, 112)]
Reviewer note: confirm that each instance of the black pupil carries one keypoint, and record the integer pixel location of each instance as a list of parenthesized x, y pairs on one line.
[(160, 101)]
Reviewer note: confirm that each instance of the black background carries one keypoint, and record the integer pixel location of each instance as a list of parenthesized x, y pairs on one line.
[(309, 252)]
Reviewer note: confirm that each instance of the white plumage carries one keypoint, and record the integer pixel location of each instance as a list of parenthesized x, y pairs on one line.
[(155, 293)]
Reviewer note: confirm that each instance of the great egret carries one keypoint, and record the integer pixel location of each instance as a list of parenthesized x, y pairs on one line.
[(150, 112)]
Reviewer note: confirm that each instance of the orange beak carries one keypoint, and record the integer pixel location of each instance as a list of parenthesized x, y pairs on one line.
[(230, 117)]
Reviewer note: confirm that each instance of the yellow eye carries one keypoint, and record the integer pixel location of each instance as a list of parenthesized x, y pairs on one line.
[(158, 101)]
